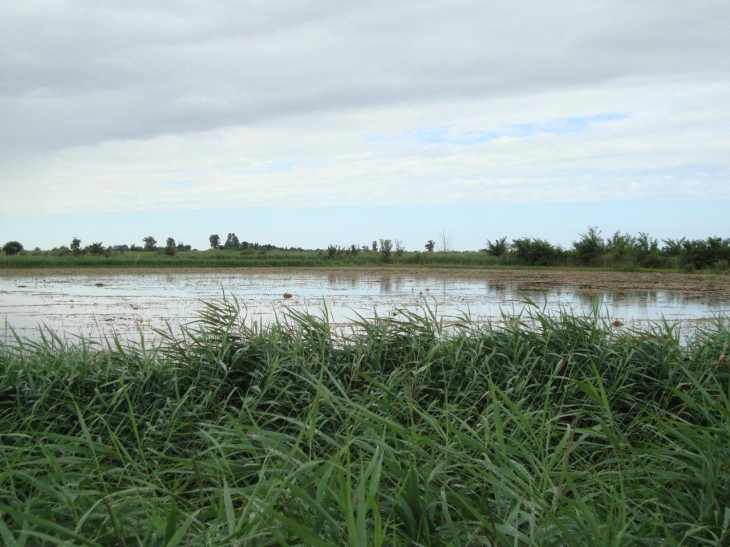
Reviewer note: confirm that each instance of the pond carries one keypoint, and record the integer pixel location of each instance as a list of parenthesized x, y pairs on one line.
[(98, 303)]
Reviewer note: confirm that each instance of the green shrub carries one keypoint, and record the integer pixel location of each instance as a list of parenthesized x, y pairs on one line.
[(12, 248)]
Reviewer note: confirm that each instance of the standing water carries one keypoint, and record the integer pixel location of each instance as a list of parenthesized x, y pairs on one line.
[(95, 304)]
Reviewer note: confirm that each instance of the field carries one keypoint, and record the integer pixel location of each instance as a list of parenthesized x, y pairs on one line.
[(342, 258), (553, 430), (94, 301), (228, 259)]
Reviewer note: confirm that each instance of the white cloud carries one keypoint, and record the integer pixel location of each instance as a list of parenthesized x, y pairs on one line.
[(107, 107)]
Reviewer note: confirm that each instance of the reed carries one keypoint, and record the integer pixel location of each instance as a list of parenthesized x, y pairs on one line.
[(537, 430)]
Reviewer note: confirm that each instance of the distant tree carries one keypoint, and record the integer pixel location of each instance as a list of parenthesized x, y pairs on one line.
[(150, 243), (12, 247), (672, 247), (215, 241), (647, 252), (620, 247), (497, 248), (232, 242), (536, 252), (386, 246), (60, 251), (95, 248), (430, 245), (399, 248), (446, 241), (589, 249), (183, 247), (170, 248), (76, 245), (706, 253), (374, 246)]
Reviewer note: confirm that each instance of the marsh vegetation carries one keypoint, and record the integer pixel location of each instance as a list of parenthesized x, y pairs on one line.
[(540, 430)]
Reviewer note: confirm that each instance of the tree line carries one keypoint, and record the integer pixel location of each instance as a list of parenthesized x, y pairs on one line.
[(98, 248), (233, 243), (591, 249), (620, 250)]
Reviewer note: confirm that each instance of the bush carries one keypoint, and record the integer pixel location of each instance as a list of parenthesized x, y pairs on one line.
[(704, 253), (497, 248), (590, 248), (95, 248), (12, 248), (386, 246), (536, 252)]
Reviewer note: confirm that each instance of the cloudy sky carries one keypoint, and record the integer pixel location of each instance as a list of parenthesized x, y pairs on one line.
[(314, 122)]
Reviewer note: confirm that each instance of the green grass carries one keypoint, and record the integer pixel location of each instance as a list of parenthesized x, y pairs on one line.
[(230, 258), (537, 431), (184, 259), (280, 259), (250, 259)]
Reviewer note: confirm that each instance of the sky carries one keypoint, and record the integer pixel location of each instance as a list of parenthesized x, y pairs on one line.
[(322, 122)]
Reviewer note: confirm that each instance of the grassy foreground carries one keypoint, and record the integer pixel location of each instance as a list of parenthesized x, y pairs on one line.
[(550, 431)]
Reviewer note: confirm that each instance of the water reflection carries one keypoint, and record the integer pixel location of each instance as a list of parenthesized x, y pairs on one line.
[(91, 304)]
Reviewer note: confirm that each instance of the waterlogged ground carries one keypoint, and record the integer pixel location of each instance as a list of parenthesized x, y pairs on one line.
[(98, 303)]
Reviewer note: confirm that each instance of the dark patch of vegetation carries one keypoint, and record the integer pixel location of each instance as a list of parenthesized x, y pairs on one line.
[(536, 252), (499, 247), (12, 248), (150, 243), (95, 248), (386, 248)]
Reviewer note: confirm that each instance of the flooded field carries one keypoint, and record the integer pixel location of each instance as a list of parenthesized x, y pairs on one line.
[(98, 303)]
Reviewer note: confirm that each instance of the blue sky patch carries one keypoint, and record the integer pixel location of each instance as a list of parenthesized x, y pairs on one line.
[(448, 134)]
